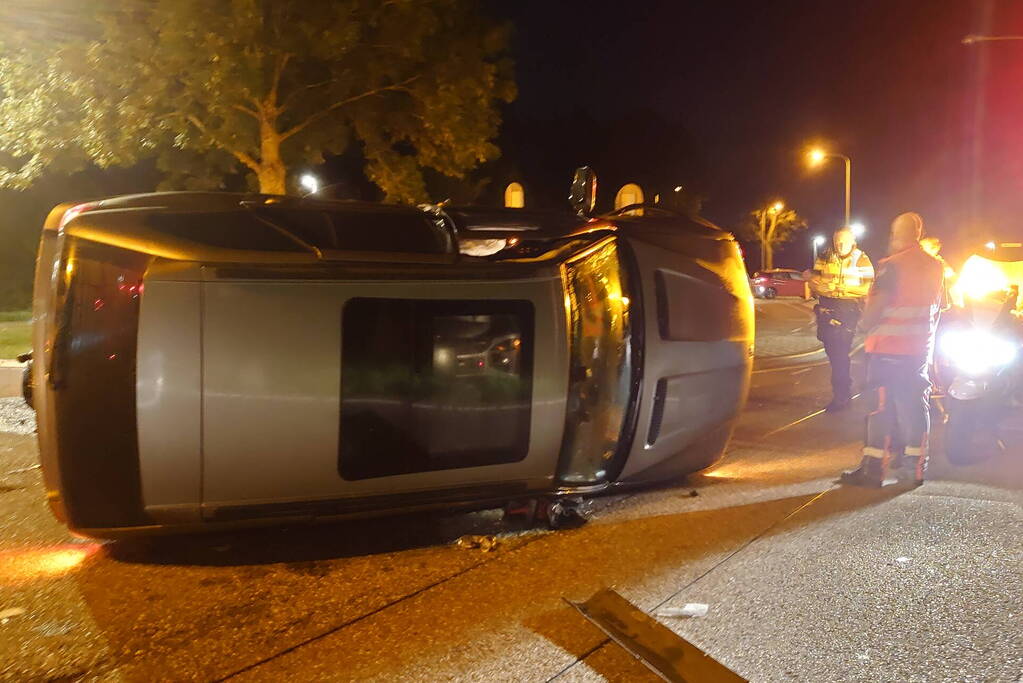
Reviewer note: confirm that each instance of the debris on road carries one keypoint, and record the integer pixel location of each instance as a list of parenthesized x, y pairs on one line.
[(651, 642), (10, 613), (54, 628), (689, 610), (694, 493), (16, 416), (484, 543), (902, 561), (24, 469)]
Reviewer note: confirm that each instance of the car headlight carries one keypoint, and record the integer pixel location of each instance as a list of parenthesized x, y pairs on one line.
[(976, 352), (980, 277)]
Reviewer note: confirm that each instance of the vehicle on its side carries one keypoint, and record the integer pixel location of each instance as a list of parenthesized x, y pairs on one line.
[(768, 284), (978, 354), (206, 360)]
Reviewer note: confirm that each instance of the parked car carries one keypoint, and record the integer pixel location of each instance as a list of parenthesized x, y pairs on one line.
[(204, 360), (768, 284)]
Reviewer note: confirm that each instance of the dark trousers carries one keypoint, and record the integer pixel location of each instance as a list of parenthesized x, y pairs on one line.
[(836, 327), (901, 416)]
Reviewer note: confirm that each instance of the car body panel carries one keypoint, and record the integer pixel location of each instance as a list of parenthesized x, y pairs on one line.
[(224, 398)]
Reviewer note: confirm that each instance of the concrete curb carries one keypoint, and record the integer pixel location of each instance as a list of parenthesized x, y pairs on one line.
[(10, 378)]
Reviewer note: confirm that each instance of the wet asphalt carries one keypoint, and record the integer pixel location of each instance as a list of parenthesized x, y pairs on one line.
[(805, 580)]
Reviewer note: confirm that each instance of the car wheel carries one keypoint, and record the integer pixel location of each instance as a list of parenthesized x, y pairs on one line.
[(770, 293)]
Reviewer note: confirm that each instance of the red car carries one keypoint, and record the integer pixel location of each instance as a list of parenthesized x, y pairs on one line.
[(779, 282)]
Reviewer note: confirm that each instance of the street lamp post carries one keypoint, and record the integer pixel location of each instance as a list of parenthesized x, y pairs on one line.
[(817, 157)]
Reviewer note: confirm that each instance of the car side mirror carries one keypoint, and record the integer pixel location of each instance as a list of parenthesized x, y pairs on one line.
[(583, 195)]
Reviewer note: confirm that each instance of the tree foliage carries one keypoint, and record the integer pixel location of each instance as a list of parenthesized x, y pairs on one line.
[(771, 229), (261, 85)]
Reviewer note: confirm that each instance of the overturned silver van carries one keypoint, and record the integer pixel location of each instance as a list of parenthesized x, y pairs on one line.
[(204, 360)]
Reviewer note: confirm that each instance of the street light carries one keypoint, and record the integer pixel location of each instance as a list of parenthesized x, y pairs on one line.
[(816, 156), (858, 229), (310, 183), (818, 242)]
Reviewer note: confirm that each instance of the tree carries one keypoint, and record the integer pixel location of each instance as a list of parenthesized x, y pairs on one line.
[(770, 227), (260, 85)]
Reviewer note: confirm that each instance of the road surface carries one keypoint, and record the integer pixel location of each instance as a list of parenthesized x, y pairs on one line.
[(805, 580)]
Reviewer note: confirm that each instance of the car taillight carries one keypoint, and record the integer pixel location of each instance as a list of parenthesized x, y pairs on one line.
[(601, 363)]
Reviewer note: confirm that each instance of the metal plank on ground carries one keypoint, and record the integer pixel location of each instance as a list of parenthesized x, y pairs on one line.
[(658, 647)]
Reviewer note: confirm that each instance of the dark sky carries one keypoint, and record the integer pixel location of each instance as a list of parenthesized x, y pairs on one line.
[(931, 125)]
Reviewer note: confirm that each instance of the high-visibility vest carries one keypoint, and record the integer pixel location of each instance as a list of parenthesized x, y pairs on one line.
[(915, 282), (854, 270)]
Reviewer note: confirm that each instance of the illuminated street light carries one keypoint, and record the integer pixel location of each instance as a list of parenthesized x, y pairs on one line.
[(990, 246), (816, 157), (818, 242), (777, 207), (678, 188), (858, 229), (310, 183)]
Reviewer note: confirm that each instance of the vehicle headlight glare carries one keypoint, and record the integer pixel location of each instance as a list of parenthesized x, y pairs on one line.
[(980, 277), (975, 352)]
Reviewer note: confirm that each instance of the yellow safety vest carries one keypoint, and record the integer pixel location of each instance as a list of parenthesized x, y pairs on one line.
[(855, 270)]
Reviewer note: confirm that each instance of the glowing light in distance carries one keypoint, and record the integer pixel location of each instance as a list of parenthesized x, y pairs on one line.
[(819, 240), (816, 156), (858, 229), (310, 182)]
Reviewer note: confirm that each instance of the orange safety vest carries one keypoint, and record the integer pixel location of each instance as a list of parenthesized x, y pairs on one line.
[(915, 281)]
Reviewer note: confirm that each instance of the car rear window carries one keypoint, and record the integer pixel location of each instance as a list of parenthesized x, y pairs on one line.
[(225, 230)]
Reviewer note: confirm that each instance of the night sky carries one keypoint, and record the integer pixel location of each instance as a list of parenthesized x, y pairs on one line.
[(931, 125)]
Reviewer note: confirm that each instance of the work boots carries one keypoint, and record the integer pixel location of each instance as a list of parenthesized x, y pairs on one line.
[(915, 466), (837, 405), (870, 473)]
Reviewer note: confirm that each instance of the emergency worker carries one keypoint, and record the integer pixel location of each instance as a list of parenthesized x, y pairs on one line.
[(840, 280), (900, 318)]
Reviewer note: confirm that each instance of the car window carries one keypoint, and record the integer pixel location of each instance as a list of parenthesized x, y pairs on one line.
[(361, 230)]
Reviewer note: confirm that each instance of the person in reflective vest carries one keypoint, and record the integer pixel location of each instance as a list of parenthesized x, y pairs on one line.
[(900, 317), (840, 280)]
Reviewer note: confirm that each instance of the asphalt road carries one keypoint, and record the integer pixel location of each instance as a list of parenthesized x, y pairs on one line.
[(805, 580)]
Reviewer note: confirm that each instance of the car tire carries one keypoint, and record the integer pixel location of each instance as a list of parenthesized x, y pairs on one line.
[(770, 293)]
